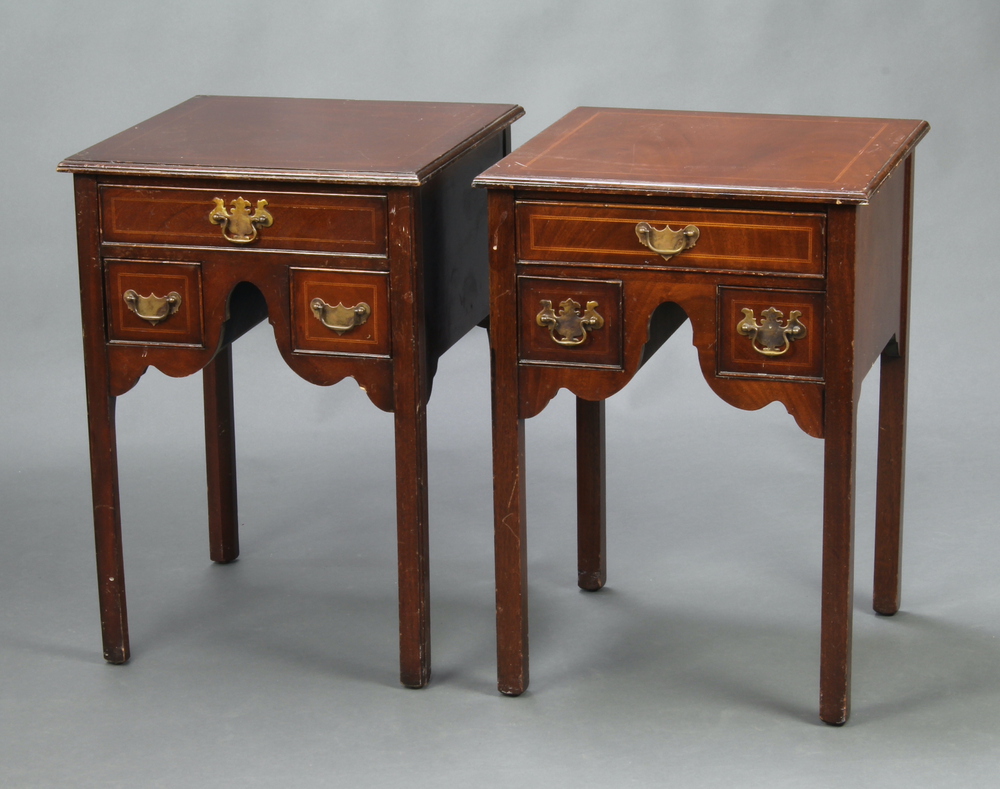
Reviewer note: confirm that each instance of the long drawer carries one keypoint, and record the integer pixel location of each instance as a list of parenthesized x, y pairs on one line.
[(742, 241), (245, 219)]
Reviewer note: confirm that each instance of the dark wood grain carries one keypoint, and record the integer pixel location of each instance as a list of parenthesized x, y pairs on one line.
[(318, 140), (804, 215), (591, 495), (220, 458)]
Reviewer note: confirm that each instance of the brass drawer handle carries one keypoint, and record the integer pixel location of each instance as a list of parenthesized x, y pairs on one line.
[(774, 338), (340, 319), (238, 225), (569, 324), (667, 243), (152, 308)]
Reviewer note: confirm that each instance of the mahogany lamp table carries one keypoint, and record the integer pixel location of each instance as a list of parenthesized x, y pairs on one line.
[(784, 240), (352, 226)]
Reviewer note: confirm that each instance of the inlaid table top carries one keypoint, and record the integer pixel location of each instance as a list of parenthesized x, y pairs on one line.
[(706, 154)]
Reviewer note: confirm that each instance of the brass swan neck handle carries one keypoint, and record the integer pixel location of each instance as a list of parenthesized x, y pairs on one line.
[(667, 243), (238, 225), (152, 308), (569, 327), (771, 337), (339, 318)]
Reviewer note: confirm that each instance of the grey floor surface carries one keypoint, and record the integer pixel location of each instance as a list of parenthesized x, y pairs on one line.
[(698, 665)]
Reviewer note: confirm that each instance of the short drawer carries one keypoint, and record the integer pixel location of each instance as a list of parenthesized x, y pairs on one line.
[(570, 321), (770, 333), (758, 241), (340, 312), (243, 218), (154, 303)]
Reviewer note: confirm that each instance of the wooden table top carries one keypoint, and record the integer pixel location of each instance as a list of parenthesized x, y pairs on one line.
[(317, 140), (708, 154)]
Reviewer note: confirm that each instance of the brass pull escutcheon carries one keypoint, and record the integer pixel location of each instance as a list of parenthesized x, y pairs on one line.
[(570, 326), (153, 309), (340, 319), (238, 225), (771, 337), (667, 243)]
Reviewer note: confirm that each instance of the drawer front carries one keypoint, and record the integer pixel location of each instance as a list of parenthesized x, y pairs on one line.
[(353, 224), (154, 303), (340, 312), (570, 321), (770, 242), (760, 334)]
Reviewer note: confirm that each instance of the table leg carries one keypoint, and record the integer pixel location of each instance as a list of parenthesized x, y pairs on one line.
[(412, 535), (101, 424), (591, 498), (838, 560), (892, 435), (510, 546), (510, 532), (889, 495), (107, 519), (220, 458)]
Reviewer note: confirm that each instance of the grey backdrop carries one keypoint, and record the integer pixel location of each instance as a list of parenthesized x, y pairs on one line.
[(698, 665)]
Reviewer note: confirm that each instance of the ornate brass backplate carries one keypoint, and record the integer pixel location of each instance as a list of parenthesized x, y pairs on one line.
[(340, 319), (771, 337), (667, 243), (238, 225), (570, 326), (152, 308)]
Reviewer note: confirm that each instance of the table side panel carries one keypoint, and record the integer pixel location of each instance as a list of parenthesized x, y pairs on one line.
[(880, 239), (454, 256)]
